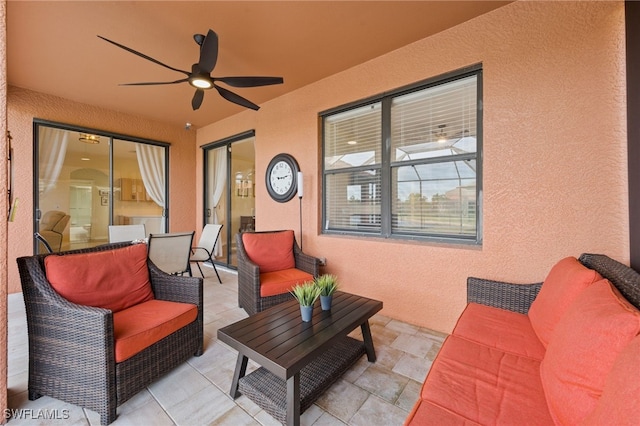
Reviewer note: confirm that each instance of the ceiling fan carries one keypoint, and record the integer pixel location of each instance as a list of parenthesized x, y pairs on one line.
[(200, 75)]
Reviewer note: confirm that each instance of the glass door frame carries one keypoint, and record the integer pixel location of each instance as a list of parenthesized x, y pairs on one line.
[(226, 142), (111, 136)]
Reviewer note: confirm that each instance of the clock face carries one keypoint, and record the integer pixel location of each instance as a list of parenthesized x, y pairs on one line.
[(281, 177)]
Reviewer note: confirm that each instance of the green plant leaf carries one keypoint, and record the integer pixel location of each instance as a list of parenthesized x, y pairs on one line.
[(306, 294), (327, 283)]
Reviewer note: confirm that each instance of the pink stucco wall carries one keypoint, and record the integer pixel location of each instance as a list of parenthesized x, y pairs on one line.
[(3, 208), (25, 105), (554, 157)]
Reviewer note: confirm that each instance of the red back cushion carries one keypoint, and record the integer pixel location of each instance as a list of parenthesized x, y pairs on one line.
[(598, 325), (565, 281), (619, 404), (113, 279), (271, 251)]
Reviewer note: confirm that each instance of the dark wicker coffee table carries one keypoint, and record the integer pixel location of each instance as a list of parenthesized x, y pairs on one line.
[(299, 360)]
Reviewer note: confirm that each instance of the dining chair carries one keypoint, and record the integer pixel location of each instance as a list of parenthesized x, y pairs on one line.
[(170, 252), (43, 243), (203, 252), (121, 233)]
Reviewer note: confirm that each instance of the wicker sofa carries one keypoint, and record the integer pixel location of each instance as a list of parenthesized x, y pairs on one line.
[(565, 351), (76, 351)]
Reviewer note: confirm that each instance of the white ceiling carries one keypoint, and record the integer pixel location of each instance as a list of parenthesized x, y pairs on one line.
[(53, 48)]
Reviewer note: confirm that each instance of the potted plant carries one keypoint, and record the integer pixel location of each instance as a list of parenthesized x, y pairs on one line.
[(327, 284), (306, 294)]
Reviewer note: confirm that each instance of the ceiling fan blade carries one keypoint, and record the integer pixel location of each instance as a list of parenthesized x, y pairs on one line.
[(197, 99), (150, 83), (208, 52), (250, 81), (235, 98), (142, 55)]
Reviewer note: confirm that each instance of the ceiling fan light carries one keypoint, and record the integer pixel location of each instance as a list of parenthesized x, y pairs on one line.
[(201, 83), (90, 139)]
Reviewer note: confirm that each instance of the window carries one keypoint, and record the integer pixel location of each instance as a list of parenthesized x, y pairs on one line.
[(406, 164)]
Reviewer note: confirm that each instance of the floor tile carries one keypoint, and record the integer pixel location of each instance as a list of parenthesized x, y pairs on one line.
[(409, 395), (204, 407), (376, 411), (413, 367), (382, 382), (343, 400), (415, 345)]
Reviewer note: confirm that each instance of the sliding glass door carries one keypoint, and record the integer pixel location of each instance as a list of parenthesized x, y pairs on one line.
[(229, 191), (86, 180)]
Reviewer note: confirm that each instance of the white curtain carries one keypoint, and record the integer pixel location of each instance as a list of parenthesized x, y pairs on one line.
[(52, 148), (151, 164), (219, 180)]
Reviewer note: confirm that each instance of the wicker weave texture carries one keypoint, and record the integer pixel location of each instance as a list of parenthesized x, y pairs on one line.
[(518, 297), (249, 277), (270, 392), (514, 297), (625, 279), (71, 347)]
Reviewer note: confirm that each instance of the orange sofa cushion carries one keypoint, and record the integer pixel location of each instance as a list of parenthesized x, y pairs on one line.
[(583, 348), (499, 328), (113, 279), (565, 281), (485, 385), (278, 282), (620, 401), (426, 413), (142, 325), (271, 251)]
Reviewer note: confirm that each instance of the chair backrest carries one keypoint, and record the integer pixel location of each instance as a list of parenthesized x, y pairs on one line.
[(171, 252), (270, 250), (118, 233), (43, 242), (209, 236)]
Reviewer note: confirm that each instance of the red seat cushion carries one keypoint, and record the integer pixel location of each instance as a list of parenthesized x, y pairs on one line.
[(426, 413), (113, 279), (278, 282), (501, 329), (589, 337), (565, 281), (142, 325), (485, 385), (271, 251)]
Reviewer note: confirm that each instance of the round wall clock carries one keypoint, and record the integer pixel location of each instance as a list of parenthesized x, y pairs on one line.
[(281, 178)]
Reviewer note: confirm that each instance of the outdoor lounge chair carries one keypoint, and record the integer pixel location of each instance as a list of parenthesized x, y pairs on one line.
[(98, 355), (270, 263)]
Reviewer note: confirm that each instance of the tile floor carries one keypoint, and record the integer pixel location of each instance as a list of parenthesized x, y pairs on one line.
[(197, 393)]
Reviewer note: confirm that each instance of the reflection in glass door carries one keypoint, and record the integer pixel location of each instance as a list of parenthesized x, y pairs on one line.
[(215, 200), (86, 181), (230, 191), (138, 185)]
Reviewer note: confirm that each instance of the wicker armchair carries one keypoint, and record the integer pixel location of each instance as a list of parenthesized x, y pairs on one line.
[(249, 297), (71, 347)]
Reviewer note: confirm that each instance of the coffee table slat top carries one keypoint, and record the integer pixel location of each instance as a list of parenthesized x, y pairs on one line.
[(278, 339)]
